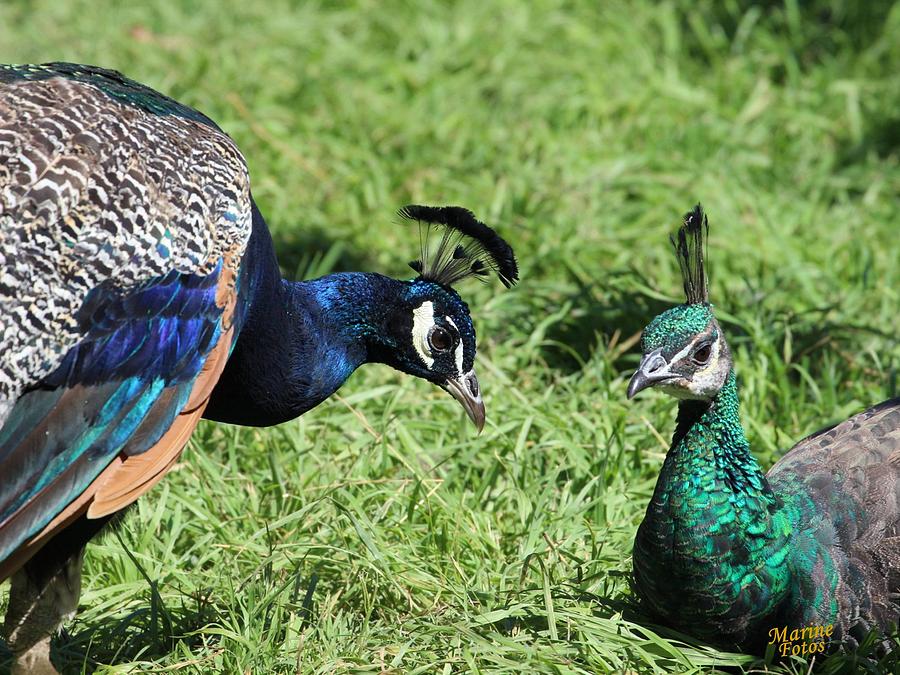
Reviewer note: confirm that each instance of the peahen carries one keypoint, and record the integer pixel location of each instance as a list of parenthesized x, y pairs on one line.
[(742, 558), (139, 292)]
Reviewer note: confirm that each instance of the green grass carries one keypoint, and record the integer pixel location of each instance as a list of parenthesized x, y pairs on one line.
[(377, 533)]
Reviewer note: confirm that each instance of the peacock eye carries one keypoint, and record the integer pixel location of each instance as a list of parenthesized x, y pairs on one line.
[(439, 339), (701, 355)]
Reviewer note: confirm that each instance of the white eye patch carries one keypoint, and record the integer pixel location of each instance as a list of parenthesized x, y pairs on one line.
[(423, 320), (458, 352), (708, 379)]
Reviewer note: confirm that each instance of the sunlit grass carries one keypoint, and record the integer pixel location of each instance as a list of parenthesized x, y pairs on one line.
[(378, 533)]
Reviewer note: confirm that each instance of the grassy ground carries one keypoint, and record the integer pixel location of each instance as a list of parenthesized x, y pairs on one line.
[(377, 533)]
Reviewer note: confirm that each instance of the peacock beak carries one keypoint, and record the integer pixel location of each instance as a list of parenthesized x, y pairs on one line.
[(465, 389), (653, 369)]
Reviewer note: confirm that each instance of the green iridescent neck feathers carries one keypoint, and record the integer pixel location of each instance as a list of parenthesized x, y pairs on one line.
[(728, 554)]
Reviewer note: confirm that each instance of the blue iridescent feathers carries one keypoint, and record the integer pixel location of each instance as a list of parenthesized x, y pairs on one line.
[(117, 391), (139, 292), (119, 284)]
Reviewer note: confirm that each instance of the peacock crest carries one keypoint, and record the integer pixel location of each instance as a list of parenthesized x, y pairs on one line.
[(689, 244), (466, 247), (675, 325)]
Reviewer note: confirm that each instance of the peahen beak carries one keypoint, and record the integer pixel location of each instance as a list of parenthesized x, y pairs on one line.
[(465, 389), (653, 370)]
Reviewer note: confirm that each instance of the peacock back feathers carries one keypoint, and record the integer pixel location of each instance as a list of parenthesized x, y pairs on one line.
[(110, 82), (124, 217), (841, 489)]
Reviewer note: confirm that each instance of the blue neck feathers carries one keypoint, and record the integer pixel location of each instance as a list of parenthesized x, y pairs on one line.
[(299, 341)]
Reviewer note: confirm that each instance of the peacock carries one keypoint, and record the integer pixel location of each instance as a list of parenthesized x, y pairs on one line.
[(805, 557), (140, 292)]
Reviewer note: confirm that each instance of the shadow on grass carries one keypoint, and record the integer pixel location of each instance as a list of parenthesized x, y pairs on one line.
[(880, 138), (600, 311), (602, 606), (818, 28), (312, 253), (148, 632)]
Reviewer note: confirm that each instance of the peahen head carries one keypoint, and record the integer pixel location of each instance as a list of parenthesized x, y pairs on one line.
[(428, 331), (684, 350)]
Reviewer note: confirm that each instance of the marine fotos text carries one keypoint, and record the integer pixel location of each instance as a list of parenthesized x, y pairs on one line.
[(804, 641)]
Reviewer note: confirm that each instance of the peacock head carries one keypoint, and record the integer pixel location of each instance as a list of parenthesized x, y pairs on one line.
[(684, 351), (430, 329)]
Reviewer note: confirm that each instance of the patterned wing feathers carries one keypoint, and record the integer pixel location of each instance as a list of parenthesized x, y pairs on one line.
[(116, 206), (869, 439), (95, 192), (127, 476)]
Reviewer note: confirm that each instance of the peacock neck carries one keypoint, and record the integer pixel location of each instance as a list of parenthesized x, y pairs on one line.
[(709, 440), (713, 545), (298, 341)]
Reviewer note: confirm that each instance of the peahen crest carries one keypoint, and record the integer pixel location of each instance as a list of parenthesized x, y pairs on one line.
[(467, 247), (689, 245)]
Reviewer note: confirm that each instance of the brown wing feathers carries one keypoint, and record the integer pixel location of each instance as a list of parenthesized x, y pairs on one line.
[(128, 477), (123, 482)]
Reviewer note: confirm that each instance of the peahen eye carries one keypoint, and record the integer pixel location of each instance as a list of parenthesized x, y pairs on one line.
[(701, 355), (439, 339)]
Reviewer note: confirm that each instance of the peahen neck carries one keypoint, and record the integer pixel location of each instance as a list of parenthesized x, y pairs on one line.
[(713, 544), (299, 341)]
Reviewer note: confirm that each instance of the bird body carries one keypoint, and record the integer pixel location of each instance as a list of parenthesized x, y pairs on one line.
[(713, 525), (122, 233), (730, 554), (100, 197), (139, 292)]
